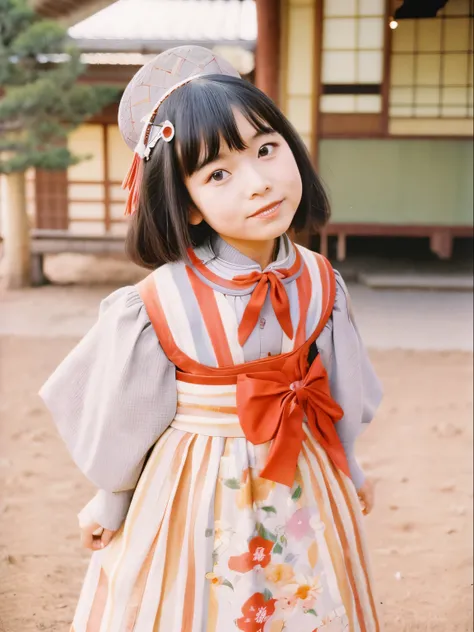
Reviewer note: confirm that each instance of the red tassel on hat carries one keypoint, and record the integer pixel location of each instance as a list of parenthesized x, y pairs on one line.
[(132, 182)]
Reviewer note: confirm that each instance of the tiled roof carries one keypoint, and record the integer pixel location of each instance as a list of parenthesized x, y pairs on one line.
[(115, 59), (152, 25), (243, 60)]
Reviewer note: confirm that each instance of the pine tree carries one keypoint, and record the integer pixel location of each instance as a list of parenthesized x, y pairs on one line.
[(41, 102)]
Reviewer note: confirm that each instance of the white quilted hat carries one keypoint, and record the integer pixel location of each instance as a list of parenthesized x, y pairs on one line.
[(143, 96)]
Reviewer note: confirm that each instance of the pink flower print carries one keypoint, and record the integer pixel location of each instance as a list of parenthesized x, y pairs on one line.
[(298, 525)]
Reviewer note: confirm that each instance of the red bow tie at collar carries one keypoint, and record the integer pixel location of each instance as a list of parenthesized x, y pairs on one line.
[(278, 297), (272, 406)]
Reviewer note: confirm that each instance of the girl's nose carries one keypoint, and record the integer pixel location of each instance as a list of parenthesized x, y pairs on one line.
[(257, 182)]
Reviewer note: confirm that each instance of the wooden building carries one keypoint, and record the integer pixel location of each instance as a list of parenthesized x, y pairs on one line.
[(87, 199), (386, 113)]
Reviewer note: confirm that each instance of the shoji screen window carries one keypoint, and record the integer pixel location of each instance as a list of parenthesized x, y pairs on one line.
[(432, 66), (352, 66)]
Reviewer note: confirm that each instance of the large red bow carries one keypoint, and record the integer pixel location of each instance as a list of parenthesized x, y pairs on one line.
[(272, 406)]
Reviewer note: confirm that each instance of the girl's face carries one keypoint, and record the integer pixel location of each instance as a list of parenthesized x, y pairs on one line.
[(248, 197)]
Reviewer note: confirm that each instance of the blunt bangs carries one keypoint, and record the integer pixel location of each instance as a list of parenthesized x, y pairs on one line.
[(204, 118)]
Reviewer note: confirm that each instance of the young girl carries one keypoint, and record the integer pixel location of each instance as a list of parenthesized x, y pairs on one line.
[(216, 404)]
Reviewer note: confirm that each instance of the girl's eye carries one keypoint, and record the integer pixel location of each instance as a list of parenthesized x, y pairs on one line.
[(266, 150), (219, 175)]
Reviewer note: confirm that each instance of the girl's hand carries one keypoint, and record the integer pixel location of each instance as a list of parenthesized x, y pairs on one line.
[(95, 537), (366, 496)]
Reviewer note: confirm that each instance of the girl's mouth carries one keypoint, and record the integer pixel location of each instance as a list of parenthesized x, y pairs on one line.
[(268, 211)]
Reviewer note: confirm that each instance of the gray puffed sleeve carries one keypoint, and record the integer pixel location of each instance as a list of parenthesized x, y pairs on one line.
[(111, 399), (354, 384)]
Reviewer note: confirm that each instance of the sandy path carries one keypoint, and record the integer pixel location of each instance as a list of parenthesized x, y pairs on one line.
[(419, 448)]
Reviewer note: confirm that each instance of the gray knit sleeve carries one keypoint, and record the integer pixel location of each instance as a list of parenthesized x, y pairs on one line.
[(112, 398), (354, 384)]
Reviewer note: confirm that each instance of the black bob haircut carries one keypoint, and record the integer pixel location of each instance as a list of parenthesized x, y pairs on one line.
[(201, 112)]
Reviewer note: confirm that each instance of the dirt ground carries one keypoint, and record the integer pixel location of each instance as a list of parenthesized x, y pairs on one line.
[(419, 449)]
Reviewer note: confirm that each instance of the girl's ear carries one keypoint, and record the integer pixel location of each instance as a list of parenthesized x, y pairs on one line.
[(195, 216)]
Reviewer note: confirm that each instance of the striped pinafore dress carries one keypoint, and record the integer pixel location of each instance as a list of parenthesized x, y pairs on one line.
[(244, 517)]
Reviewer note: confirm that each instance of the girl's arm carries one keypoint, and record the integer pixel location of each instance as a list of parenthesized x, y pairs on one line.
[(107, 509), (111, 399), (354, 384)]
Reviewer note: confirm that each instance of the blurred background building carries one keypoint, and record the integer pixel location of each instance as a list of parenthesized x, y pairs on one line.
[(380, 91)]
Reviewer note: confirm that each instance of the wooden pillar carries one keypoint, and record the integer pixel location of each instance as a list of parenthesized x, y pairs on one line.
[(16, 256), (267, 58), (317, 80), (317, 92), (105, 148), (441, 243)]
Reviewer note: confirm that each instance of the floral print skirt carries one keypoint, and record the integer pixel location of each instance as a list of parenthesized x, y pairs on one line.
[(209, 546)]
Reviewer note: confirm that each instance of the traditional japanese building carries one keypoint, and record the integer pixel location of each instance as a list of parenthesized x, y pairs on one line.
[(87, 199), (380, 91)]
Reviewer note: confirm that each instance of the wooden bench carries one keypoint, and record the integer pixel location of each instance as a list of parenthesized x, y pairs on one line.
[(441, 237), (46, 242), (51, 242)]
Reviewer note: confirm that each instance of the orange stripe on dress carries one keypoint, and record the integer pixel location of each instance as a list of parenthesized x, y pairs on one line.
[(149, 295), (358, 540), (98, 605), (212, 319), (154, 309), (343, 539), (190, 588), (328, 283), (323, 272), (136, 598), (207, 380), (303, 284), (224, 410), (183, 394), (332, 542), (130, 524), (176, 533)]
